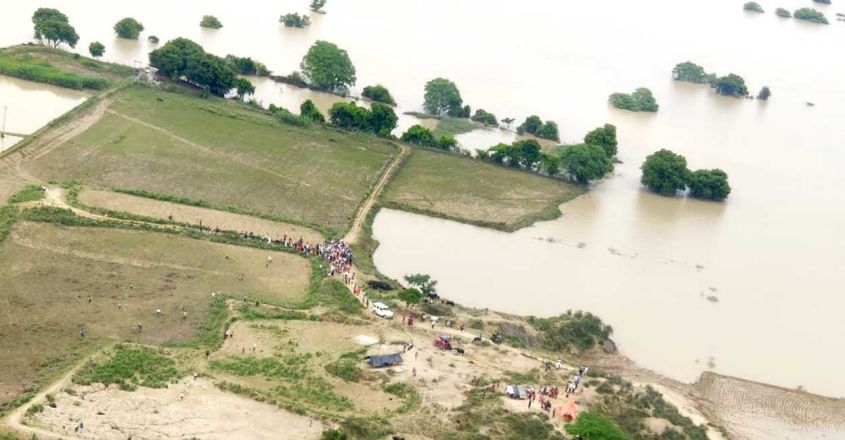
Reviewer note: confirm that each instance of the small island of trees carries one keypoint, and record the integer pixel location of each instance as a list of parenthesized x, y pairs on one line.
[(378, 93), (317, 6), (753, 7), (442, 98), (666, 173), (728, 85), (641, 100), (295, 20), (211, 22), (811, 15), (128, 28), (544, 130), (765, 93), (53, 26), (485, 118), (781, 12), (824, 2)]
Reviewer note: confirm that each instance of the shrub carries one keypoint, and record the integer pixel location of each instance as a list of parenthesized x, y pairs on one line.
[(309, 111), (485, 118), (28, 68), (591, 426), (417, 134), (764, 94), (579, 330), (28, 194), (284, 116), (781, 12), (210, 21), (130, 368), (378, 93), (346, 367), (96, 49)]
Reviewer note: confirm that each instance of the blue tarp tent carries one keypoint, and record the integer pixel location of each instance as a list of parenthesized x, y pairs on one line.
[(387, 360)]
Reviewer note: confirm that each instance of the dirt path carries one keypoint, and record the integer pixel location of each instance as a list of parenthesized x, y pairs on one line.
[(15, 418), (51, 138), (364, 210)]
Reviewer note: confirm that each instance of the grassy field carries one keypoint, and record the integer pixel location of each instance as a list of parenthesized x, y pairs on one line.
[(475, 192), (48, 273), (60, 68), (224, 154)]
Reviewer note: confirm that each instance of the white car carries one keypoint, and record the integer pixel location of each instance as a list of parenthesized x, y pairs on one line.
[(382, 310)]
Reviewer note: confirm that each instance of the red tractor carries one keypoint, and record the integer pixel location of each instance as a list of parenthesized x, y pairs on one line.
[(444, 342)]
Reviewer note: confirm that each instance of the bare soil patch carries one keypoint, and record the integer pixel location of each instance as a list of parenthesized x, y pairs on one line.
[(188, 409), (195, 215)]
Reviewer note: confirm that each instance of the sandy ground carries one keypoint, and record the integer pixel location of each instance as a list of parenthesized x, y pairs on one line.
[(187, 409), (757, 411), (194, 215)]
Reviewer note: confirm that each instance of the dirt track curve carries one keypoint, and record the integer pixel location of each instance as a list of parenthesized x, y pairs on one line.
[(364, 210)]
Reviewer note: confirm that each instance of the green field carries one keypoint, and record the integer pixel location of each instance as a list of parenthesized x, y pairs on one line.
[(59, 68), (222, 153), (475, 192)]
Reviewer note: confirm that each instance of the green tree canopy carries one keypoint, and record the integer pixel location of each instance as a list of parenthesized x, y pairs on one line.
[(410, 296), (549, 131), (382, 119), (247, 66), (309, 111), (417, 134), (665, 172), (96, 49), (524, 154), (295, 20), (592, 426), (690, 72), (422, 282), (531, 125), (604, 137), (640, 101), (781, 12), (811, 15), (52, 25), (172, 59), (183, 58), (709, 184), (730, 85), (378, 93), (317, 5), (349, 116), (764, 94), (210, 21), (328, 67), (447, 142), (244, 88), (752, 7), (442, 98), (585, 162), (128, 28)]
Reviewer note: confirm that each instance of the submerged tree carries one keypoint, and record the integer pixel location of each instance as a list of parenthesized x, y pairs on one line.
[(730, 85), (378, 93), (295, 20), (604, 137), (765, 93), (210, 21), (328, 67), (752, 7), (317, 5), (640, 101), (585, 162), (244, 88), (665, 172), (689, 72), (709, 184), (128, 28)]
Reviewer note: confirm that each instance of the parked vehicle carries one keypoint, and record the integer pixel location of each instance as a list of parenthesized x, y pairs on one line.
[(382, 310)]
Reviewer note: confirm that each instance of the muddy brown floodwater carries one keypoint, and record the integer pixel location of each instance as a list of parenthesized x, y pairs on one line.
[(751, 287)]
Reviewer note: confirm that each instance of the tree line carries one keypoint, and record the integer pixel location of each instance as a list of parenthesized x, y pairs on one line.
[(666, 173), (727, 85)]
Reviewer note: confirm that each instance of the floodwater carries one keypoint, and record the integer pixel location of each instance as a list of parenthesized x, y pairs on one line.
[(29, 106), (770, 258)]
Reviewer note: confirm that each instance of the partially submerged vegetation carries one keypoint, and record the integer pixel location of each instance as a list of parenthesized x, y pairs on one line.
[(641, 100), (378, 93), (727, 85), (534, 125), (59, 68), (666, 173), (753, 7), (811, 15), (293, 19), (211, 22)]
